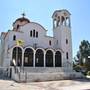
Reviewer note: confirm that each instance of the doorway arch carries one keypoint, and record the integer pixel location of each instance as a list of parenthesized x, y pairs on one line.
[(17, 56), (49, 58), (28, 57), (39, 58), (58, 59)]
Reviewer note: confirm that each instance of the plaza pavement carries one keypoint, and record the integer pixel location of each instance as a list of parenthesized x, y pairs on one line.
[(78, 84)]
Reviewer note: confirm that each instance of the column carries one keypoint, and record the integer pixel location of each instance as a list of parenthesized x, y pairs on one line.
[(22, 58), (34, 59), (69, 22), (53, 24), (65, 21), (60, 20), (44, 59), (53, 59)]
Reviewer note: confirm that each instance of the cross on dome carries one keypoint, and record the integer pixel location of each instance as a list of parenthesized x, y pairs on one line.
[(23, 14)]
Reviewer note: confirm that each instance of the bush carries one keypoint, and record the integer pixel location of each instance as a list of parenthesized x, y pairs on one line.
[(77, 68), (88, 73)]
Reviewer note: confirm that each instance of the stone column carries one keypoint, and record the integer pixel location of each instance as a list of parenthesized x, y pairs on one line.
[(34, 59), (69, 22), (22, 58), (65, 21), (60, 20), (44, 59), (53, 24), (54, 60)]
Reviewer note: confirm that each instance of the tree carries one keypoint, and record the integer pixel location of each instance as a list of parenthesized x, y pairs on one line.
[(83, 53)]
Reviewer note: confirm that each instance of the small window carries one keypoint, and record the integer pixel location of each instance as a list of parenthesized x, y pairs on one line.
[(36, 34), (30, 33), (66, 41), (33, 33), (50, 42), (67, 55), (17, 26), (14, 37), (57, 42)]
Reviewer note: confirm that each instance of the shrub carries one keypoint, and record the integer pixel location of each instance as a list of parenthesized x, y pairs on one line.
[(88, 73)]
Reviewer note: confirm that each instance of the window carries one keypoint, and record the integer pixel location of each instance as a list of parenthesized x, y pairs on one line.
[(36, 34), (50, 42), (57, 42), (17, 26), (14, 37), (67, 55), (30, 33), (66, 41), (33, 33)]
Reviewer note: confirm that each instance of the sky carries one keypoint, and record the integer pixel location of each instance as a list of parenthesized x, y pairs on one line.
[(41, 11)]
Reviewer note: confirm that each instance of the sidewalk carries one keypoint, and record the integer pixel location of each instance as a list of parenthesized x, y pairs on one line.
[(50, 85)]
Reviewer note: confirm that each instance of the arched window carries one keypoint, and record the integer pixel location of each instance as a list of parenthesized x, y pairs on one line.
[(66, 41), (30, 33), (36, 34), (66, 55), (28, 57), (17, 26), (58, 59), (39, 58), (50, 42), (14, 37), (49, 58), (57, 42), (17, 56)]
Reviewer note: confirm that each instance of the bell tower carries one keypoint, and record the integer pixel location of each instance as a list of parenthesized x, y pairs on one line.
[(62, 33), (61, 17)]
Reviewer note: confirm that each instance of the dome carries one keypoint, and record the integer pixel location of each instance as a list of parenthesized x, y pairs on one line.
[(22, 19), (20, 22)]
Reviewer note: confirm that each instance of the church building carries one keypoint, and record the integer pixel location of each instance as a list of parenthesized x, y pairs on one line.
[(30, 47)]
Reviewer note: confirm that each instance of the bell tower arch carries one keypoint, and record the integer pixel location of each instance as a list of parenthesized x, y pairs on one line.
[(61, 17)]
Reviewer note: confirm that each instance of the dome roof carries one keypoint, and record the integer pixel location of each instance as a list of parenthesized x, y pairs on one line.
[(22, 19)]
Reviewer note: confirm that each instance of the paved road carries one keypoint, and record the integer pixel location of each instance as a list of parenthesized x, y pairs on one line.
[(51, 85)]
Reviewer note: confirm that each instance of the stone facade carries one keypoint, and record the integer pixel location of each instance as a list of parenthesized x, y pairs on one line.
[(29, 46)]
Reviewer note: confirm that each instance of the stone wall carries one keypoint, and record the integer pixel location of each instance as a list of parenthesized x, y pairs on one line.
[(44, 74)]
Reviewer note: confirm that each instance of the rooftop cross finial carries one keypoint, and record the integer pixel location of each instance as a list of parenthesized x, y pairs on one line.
[(23, 14)]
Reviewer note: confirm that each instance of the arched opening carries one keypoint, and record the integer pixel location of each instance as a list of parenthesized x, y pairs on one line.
[(17, 56), (39, 58), (49, 58), (28, 57), (62, 20), (58, 59), (14, 37)]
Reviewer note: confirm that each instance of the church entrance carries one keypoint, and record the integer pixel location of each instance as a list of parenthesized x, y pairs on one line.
[(49, 58), (58, 59), (39, 58), (17, 56), (28, 57)]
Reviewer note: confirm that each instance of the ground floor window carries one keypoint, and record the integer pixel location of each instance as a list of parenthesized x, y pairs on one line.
[(39, 58), (17, 56), (28, 57), (49, 58), (58, 59)]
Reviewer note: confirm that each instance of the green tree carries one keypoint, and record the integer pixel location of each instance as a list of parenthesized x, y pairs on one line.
[(83, 53)]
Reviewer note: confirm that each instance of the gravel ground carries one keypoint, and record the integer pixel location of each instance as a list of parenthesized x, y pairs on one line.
[(78, 84)]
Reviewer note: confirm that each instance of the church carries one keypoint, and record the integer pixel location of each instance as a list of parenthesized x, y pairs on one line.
[(31, 48)]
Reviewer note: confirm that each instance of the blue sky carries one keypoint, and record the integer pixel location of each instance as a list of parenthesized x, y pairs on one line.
[(41, 11)]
